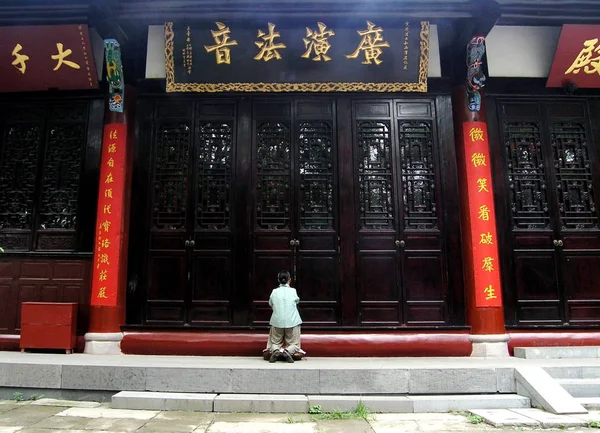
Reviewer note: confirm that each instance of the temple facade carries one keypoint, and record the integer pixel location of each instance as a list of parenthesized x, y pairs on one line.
[(428, 172)]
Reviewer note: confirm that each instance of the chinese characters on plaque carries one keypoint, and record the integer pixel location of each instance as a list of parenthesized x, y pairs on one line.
[(45, 57), (577, 57), (272, 57), (484, 243), (108, 225)]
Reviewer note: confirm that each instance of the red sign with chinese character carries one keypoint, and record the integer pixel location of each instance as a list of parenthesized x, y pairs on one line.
[(45, 57), (486, 266), (107, 248), (577, 57)]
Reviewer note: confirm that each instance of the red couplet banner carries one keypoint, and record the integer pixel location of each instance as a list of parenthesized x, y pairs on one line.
[(486, 266), (107, 249)]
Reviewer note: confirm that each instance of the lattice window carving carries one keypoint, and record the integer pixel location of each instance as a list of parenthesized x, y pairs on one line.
[(573, 173), (316, 175), (18, 173), (375, 175), (273, 176), (171, 177), (214, 176), (418, 175), (66, 138), (526, 176)]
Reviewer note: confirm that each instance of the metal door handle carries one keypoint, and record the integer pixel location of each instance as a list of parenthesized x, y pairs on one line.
[(187, 243), (560, 243), (192, 243), (292, 243), (400, 243), (297, 243)]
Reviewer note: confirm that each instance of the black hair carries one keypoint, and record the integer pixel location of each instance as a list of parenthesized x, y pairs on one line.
[(283, 277)]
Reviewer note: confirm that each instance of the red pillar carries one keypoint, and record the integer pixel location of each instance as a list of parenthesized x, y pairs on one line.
[(109, 273), (483, 287)]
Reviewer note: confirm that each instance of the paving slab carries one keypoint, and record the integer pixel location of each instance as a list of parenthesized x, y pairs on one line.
[(261, 427), (344, 426), (445, 403), (504, 418), (64, 403), (102, 412), (28, 415), (163, 401), (8, 407), (549, 420), (347, 403), (35, 430), (261, 403), (178, 422), (393, 426)]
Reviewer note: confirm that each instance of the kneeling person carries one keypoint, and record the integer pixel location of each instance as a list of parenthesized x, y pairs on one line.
[(285, 321)]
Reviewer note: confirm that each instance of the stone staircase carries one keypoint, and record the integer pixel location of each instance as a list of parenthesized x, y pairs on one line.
[(581, 381)]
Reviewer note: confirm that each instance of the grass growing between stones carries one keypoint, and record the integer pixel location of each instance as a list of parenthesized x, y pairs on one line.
[(361, 411), (474, 419), (594, 424)]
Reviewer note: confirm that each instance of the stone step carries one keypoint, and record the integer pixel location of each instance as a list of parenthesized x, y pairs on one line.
[(273, 403), (574, 372), (590, 403), (581, 387), (557, 352)]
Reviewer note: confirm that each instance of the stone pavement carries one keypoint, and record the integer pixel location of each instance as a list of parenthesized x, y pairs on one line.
[(57, 416)]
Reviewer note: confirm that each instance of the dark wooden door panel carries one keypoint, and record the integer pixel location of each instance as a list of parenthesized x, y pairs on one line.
[(423, 280), (318, 287), (264, 279), (400, 214), (378, 291), (585, 265), (213, 240), (286, 169), (549, 200), (212, 288), (167, 287)]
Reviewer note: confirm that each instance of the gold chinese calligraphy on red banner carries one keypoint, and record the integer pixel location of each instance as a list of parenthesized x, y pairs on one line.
[(108, 225), (486, 266), (577, 57)]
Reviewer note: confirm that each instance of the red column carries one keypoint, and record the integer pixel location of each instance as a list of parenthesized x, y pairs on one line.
[(485, 313), (109, 274)]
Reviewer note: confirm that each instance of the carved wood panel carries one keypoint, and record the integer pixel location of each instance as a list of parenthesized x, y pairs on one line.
[(41, 166), (42, 280), (401, 260), (551, 255)]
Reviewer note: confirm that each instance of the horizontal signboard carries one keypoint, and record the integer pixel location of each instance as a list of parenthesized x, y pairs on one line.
[(46, 57), (310, 57), (577, 57)]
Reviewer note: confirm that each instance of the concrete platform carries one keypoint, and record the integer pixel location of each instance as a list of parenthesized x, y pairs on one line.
[(420, 380)]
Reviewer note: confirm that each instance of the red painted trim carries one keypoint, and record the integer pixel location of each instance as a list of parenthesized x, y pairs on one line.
[(343, 344), (552, 338), (11, 342)]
